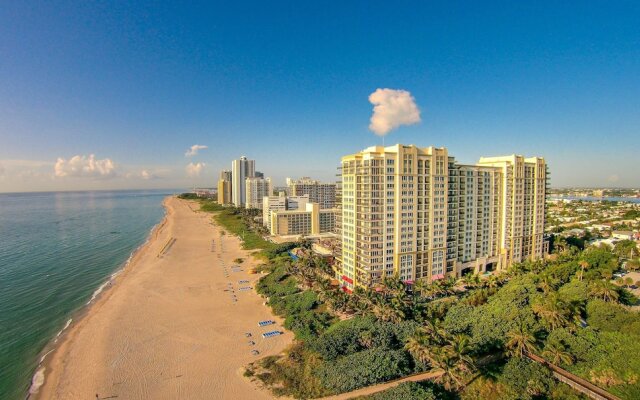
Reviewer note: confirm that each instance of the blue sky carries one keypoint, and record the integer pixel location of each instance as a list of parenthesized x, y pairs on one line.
[(287, 84)]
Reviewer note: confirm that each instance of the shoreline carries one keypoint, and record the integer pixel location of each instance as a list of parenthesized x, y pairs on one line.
[(48, 353), (130, 327)]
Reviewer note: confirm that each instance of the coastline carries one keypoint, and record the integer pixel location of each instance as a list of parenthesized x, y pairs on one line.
[(47, 357), (87, 358)]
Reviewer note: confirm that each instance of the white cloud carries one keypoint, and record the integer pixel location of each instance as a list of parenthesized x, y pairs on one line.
[(194, 170), (613, 178), (392, 108), (149, 175), (85, 167), (194, 150)]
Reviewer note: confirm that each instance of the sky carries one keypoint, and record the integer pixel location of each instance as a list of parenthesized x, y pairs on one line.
[(116, 95)]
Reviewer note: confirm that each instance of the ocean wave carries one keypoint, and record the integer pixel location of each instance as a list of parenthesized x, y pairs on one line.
[(37, 381), (58, 334)]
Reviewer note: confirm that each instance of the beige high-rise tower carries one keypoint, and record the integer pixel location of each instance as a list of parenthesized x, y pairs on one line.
[(417, 213), (225, 187)]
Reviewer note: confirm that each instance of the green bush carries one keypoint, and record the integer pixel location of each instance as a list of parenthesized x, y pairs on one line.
[(612, 317), (405, 391), (364, 368)]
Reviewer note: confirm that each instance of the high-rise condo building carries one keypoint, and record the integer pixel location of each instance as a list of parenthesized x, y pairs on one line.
[(417, 213), (241, 170), (224, 187), (256, 189), (322, 193), (226, 175)]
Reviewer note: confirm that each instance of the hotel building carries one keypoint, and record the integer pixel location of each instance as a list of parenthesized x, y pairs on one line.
[(418, 213), (318, 192), (281, 202), (308, 220), (256, 189)]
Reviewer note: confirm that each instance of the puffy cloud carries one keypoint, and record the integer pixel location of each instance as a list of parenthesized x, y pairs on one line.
[(194, 170), (85, 167), (147, 175), (194, 150), (392, 108), (613, 178)]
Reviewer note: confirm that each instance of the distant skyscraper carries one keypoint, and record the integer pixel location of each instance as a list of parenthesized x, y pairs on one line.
[(224, 187), (256, 189), (241, 170), (226, 175), (259, 174)]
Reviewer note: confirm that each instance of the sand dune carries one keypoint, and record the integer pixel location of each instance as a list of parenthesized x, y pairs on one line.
[(168, 328)]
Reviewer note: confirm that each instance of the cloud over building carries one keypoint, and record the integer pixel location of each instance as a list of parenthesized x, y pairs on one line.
[(392, 108)]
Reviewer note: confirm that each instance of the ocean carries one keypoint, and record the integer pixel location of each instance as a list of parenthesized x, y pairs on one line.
[(57, 252)]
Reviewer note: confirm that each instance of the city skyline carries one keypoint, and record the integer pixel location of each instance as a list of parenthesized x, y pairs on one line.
[(136, 96)]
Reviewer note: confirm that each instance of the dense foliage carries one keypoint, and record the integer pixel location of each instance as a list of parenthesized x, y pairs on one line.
[(476, 332)]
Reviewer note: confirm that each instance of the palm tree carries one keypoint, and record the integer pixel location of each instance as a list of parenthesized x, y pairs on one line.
[(520, 341), (453, 371), (583, 266), (552, 311), (604, 290), (460, 348), (419, 347), (547, 284), (557, 355), (560, 244)]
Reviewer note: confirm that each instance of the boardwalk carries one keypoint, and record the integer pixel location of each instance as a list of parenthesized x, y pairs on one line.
[(384, 386), (577, 383)]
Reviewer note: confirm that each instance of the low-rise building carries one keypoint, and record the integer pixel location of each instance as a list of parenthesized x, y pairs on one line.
[(310, 220), (281, 203), (622, 235)]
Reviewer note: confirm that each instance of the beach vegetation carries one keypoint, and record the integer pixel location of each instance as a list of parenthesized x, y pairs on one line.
[(477, 332), (188, 196)]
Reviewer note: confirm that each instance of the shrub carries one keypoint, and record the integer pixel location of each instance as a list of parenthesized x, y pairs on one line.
[(364, 368), (405, 391)]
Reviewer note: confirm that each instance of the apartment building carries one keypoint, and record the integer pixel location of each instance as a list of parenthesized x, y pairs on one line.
[(224, 187), (417, 213), (309, 220), (241, 169), (322, 193), (281, 202), (523, 200), (256, 189), (224, 192)]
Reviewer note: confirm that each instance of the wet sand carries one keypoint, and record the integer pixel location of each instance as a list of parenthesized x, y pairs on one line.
[(168, 328)]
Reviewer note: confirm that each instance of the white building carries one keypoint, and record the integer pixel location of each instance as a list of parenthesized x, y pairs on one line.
[(256, 189), (281, 203), (241, 170)]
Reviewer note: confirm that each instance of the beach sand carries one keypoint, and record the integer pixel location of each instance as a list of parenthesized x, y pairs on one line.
[(168, 327)]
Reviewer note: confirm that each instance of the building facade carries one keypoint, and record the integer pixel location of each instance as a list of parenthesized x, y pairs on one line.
[(308, 220), (322, 193), (224, 192), (281, 202), (224, 187), (256, 189), (417, 213), (241, 170)]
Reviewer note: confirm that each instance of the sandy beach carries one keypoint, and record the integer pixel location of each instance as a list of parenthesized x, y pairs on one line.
[(169, 327)]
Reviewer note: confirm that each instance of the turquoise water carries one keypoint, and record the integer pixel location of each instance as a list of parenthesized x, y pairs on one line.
[(56, 251)]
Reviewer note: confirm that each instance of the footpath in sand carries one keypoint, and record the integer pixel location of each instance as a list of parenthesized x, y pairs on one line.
[(169, 328)]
